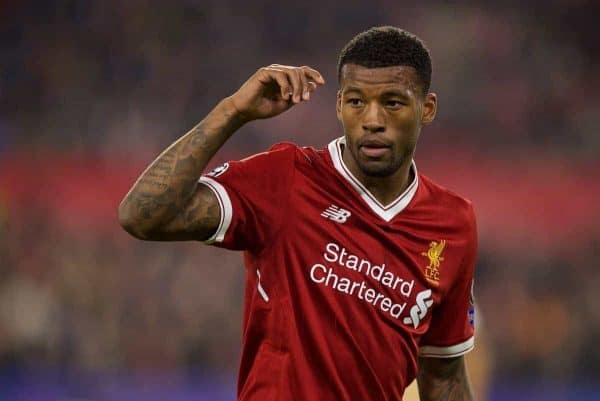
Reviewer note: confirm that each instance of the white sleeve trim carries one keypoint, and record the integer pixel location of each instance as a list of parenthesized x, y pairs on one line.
[(224, 205), (429, 351)]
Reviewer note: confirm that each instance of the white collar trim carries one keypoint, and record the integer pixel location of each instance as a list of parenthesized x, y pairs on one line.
[(387, 212)]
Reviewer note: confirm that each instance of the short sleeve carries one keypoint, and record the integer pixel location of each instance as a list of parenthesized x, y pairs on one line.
[(252, 194), (451, 332)]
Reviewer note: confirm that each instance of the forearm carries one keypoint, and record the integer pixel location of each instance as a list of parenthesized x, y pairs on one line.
[(447, 381), (168, 183)]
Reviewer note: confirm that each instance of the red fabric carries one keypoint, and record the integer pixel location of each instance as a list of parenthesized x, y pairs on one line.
[(352, 337)]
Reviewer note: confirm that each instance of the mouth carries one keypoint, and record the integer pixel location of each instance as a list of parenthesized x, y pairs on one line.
[(374, 148)]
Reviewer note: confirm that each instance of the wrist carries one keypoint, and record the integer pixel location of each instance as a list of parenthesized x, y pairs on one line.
[(233, 113)]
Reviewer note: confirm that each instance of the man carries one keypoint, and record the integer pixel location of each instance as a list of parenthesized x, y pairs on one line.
[(359, 269)]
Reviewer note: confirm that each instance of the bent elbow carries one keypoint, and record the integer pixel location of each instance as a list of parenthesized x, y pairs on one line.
[(130, 223)]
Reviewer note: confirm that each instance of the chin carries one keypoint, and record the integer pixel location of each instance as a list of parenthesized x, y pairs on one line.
[(378, 169)]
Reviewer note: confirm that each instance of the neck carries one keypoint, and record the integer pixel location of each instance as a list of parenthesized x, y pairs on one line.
[(384, 189)]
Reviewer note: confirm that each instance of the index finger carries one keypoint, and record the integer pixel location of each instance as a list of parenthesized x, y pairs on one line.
[(313, 75)]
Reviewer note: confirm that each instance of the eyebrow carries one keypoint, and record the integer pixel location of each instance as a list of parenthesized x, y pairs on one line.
[(395, 92), (352, 89), (388, 92)]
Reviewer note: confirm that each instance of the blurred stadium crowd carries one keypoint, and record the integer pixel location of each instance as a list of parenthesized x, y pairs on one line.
[(91, 91)]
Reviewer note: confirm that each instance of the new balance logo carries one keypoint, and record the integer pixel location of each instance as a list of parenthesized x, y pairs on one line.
[(336, 214)]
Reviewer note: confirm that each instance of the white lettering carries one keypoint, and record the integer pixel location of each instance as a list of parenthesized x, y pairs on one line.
[(388, 279), (352, 262), (396, 310), (385, 304), (377, 271), (313, 276), (406, 288), (379, 295), (342, 254), (334, 278), (331, 275), (369, 295), (362, 287), (364, 262), (344, 285), (331, 248)]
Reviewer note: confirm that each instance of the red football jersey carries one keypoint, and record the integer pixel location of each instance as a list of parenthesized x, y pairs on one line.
[(342, 293)]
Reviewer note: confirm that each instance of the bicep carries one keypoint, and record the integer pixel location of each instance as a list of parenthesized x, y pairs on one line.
[(198, 220), (443, 379)]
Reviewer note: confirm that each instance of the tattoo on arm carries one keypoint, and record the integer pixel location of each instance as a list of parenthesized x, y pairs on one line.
[(198, 220), (443, 380), (168, 183), (163, 191)]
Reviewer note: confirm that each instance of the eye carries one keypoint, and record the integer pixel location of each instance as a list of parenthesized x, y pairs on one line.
[(394, 104), (355, 102)]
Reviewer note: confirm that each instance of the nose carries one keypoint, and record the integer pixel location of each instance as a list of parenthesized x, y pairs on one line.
[(374, 120)]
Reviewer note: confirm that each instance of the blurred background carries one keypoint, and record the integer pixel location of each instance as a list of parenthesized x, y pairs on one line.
[(91, 91)]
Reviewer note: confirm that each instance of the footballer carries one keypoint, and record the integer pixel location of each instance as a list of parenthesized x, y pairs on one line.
[(359, 268)]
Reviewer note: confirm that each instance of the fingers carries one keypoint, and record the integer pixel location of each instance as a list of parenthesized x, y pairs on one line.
[(311, 79), (296, 83), (313, 75), (279, 76)]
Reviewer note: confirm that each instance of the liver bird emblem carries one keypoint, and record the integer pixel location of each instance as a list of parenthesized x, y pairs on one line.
[(435, 254)]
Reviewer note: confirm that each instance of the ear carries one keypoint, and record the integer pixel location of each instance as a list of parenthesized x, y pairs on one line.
[(429, 108), (338, 105)]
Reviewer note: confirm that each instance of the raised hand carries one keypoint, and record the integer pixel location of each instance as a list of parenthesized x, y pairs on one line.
[(166, 202), (274, 89)]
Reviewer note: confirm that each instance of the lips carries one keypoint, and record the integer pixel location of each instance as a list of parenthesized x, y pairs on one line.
[(373, 147), (373, 151)]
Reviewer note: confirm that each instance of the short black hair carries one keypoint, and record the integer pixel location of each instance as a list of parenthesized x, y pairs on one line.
[(388, 46)]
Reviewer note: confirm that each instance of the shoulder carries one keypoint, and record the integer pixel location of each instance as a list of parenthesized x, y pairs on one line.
[(277, 156), (281, 158), (280, 150), (301, 154), (454, 217), (289, 147), (449, 202)]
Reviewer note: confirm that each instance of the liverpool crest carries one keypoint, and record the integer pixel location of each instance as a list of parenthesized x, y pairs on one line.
[(434, 254)]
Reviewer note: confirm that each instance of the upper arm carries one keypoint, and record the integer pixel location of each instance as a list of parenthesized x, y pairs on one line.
[(236, 206), (199, 219), (443, 379)]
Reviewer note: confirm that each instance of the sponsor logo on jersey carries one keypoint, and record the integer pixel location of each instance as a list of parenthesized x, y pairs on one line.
[(434, 254), (380, 286), (418, 311), (336, 214), (219, 170)]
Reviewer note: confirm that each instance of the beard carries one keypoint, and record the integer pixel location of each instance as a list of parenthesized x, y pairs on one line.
[(382, 168)]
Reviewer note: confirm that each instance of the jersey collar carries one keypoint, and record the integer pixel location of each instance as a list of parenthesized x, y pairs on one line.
[(387, 212)]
